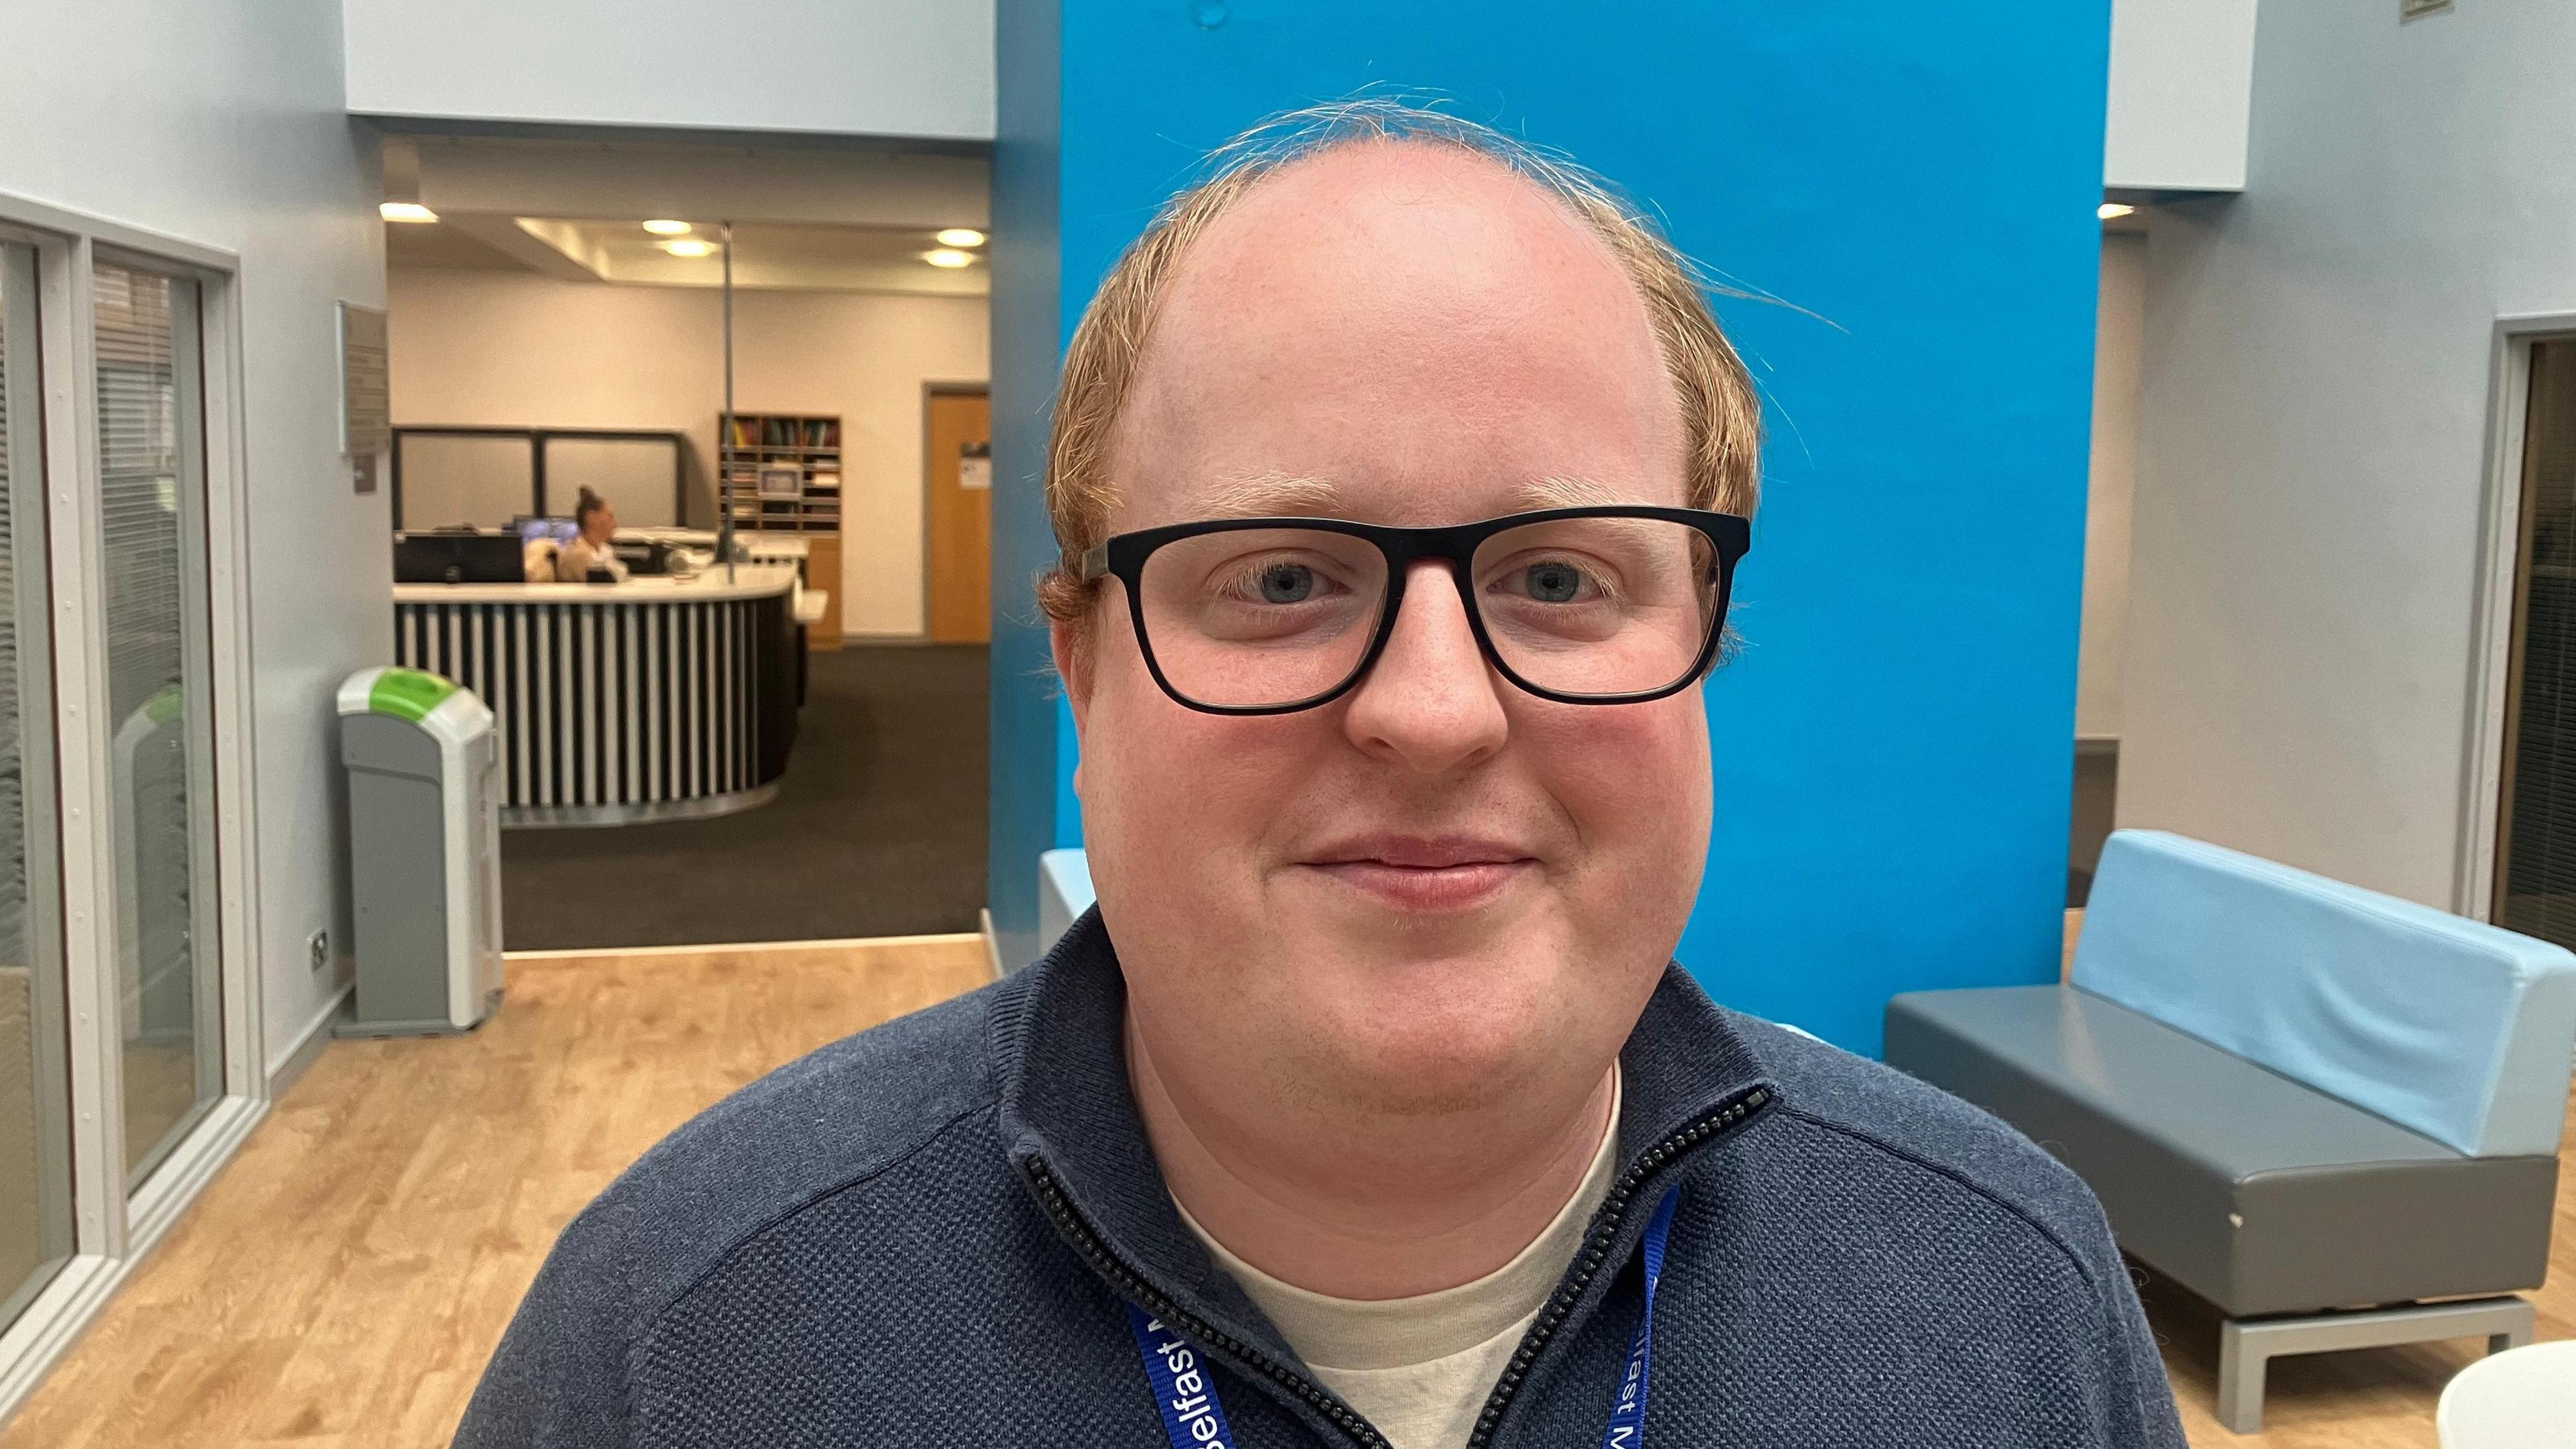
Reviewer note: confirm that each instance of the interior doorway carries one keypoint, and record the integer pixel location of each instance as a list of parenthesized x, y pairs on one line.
[(957, 463)]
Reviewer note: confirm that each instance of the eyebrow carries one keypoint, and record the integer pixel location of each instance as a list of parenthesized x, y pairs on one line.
[(1264, 495), (1291, 495), (1569, 493)]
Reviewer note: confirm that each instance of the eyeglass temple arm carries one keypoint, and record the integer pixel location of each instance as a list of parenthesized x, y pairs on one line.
[(1095, 562)]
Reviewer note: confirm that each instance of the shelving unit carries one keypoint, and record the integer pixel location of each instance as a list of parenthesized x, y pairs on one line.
[(785, 476), (763, 445)]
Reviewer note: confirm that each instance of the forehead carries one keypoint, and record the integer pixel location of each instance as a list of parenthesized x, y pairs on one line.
[(1413, 327)]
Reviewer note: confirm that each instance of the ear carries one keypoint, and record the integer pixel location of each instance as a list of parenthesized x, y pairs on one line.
[(1073, 666)]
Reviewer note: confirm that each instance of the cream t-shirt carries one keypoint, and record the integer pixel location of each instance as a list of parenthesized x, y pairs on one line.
[(1421, 1368), (574, 563)]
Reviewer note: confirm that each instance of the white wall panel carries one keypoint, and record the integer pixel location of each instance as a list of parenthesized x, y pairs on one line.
[(910, 68), (2181, 88)]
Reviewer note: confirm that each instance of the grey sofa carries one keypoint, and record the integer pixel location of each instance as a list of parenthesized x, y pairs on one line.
[(2333, 1114)]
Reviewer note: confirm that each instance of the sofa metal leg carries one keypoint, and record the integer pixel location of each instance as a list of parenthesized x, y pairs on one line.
[(2242, 1359), (2513, 1337), (2246, 1346)]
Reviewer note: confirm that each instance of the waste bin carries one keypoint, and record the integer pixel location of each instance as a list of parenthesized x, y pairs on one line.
[(424, 852)]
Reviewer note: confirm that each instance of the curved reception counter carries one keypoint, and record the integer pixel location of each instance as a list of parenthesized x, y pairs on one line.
[(654, 699)]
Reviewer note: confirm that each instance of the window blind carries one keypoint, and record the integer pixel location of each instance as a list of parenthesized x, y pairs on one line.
[(2536, 878), (150, 484), (13, 844), (138, 436), (22, 1246), (35, 1106)]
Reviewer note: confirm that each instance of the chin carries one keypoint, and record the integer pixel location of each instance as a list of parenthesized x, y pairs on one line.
[(1437, 1034)]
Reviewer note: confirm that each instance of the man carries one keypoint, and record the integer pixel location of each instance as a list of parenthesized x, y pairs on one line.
[(1400, 475)]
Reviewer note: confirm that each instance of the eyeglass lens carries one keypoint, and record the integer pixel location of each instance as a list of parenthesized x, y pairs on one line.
[(1263, 617)]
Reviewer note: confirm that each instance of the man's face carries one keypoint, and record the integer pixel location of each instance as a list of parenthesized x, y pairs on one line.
[(1437, 886)]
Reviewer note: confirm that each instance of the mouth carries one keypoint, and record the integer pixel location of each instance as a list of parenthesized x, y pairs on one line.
[(1426, 874)]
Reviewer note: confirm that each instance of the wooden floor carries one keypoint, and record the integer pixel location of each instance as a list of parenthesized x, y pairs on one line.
[(343, 1281)]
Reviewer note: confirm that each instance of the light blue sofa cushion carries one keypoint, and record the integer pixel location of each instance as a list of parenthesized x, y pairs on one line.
[(1064, 893), (2458, 1030)]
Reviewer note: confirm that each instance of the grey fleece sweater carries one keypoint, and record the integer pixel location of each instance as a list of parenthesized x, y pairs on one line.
[(924, 1235)]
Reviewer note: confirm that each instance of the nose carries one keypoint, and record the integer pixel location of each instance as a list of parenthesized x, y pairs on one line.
[(1430, 702)]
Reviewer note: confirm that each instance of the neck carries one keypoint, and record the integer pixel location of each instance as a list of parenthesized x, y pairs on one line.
[(1367, 1205)]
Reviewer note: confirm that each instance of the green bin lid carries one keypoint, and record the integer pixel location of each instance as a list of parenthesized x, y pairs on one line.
[(409, 693)]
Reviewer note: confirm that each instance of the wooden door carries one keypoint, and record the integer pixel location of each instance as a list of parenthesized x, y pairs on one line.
[(958, 436)]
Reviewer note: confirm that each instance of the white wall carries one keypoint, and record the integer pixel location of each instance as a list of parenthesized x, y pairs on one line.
[(2103, 652), (2181, 83), (221, 121), (511, 349), (914, 68), (2312, 431)]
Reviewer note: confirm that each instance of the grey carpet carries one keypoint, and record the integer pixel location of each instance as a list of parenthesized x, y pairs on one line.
[(878, 829)]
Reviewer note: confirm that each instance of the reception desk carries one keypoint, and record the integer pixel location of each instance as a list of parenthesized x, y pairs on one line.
[(654, 699)]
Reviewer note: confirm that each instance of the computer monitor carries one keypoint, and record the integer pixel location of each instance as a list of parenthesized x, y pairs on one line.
[(459, 558), (561, 530)]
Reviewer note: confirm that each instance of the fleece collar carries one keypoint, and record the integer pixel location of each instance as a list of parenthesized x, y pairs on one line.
[(1068, 1121)]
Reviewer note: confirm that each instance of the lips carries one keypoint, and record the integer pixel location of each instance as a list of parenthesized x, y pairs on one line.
[(1418, 873)]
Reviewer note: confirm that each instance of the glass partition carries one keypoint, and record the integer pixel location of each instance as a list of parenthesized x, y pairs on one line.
[(152, 557), (35, 1109), (450, 479), (639, 476)]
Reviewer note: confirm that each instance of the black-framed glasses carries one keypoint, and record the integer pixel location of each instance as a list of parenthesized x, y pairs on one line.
[(1613, 604)]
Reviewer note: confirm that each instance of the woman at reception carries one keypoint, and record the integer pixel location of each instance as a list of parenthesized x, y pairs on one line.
[(589, 551)]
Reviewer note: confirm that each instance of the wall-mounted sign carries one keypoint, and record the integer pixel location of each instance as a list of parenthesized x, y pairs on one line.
[(975, 465), (366, 398)]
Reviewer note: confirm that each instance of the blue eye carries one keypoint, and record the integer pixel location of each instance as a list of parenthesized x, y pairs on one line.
[(1553, 583), (1286, 583)]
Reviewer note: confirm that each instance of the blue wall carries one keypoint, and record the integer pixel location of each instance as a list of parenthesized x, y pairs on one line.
[(1893, 751)]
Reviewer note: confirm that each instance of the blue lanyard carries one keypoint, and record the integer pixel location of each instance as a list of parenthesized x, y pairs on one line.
[(1191, 1414), (1186, 1394), (1627, 1428)]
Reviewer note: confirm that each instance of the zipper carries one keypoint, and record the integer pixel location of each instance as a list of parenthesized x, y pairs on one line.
[(1596, 1250), (1075, 1231)]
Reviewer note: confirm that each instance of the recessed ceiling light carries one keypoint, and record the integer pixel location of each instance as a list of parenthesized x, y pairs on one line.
[(2112, 211), (668, 228), (689, 248), (947, 257), (406, 211), (961, 236)]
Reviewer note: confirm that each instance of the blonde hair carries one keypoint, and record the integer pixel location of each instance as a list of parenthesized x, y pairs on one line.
[(1721, 417)]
